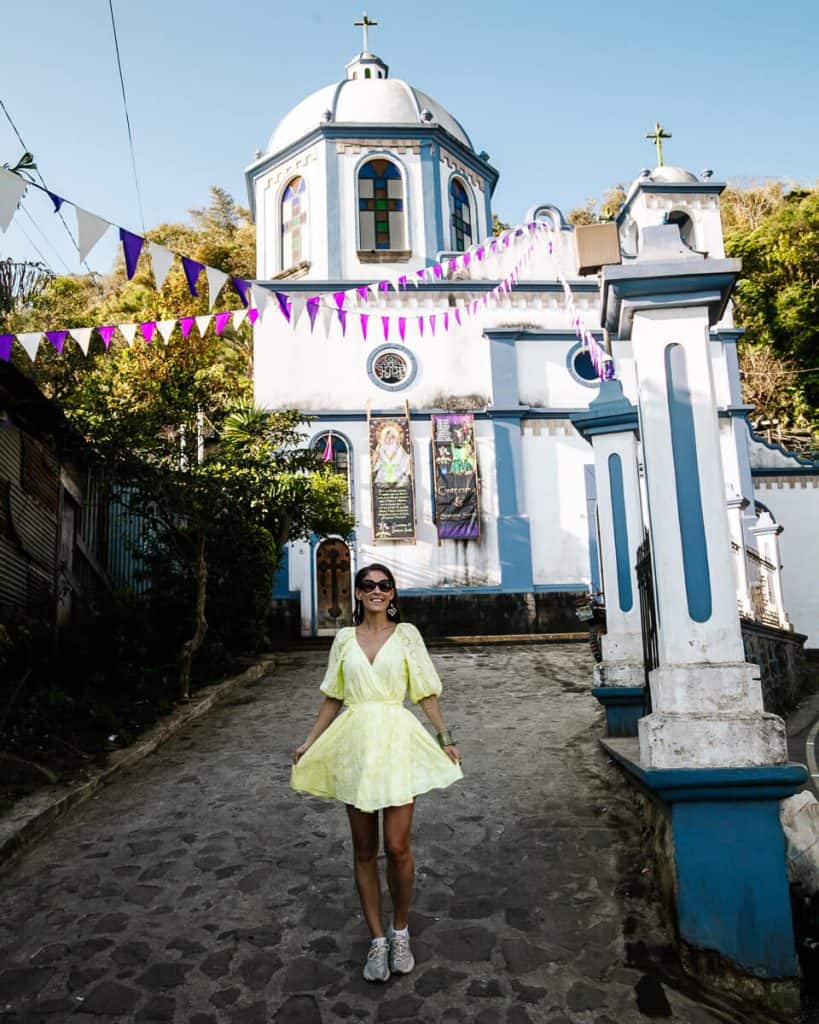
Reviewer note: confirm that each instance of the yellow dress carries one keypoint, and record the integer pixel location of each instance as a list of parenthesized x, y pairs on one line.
[(376, 753)]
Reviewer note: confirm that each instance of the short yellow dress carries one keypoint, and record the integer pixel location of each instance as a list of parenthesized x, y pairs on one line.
[(376, 753)]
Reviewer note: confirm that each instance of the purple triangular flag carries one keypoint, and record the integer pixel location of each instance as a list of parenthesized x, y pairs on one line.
[(6, 341), (402, 281), (422, 274), (446, 321), (106, 333), (363, 293), (242, 288), (402, 326), (186, 325), (57, 339), (466, 259), (342, 319), (384, 286), (479, 253), (220, 321), (385, 323), (437, 270), (493, 245), (192, 270), (57, 200), (148, 330), (458, 316), (131, 247), (420, 327), (284, 305), (453, 266), (340, 298), (432, 323), (364, 318), (312, 306), (252, 315)]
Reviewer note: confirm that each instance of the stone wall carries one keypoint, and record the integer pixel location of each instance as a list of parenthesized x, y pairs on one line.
[(464, 614), (785, 672)]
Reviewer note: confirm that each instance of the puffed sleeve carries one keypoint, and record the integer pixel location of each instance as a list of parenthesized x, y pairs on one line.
[(422, 677), (333, 683)]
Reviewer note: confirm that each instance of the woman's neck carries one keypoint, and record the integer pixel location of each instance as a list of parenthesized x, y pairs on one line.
[(374, 622)]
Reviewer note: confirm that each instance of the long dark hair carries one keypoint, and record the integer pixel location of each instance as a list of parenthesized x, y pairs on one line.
[(393, 611)]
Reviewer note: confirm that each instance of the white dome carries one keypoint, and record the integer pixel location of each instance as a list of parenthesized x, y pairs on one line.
[(386, 101), (673, 176)]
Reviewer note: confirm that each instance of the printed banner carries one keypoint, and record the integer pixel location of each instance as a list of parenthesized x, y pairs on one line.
[(456, 477), (391, 478)]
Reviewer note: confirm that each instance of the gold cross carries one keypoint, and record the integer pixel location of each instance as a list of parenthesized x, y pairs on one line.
[(657, 137), (365, 24)]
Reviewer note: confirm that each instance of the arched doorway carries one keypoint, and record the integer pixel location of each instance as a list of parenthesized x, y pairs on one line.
[(334, 607)]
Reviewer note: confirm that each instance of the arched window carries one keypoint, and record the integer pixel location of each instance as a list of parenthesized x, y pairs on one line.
[(460, 216), (367, 73), (380, 206), (685, 224), (294, 223), (335, 453)]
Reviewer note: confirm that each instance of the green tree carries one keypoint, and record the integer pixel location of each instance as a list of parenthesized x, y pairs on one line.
[(597, 211)]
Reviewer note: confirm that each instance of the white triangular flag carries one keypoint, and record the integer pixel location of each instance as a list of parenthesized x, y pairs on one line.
[(161, 260), (261, 299), (82, 336), (12, 187), (90, 229), (326, 316), (30, 342), (202, 323), (165, 328), (128, 331), (238, 317), (216, 279), (298, 303)]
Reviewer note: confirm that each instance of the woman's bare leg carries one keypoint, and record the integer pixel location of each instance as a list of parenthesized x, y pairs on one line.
[(364, 829), (400, 861)]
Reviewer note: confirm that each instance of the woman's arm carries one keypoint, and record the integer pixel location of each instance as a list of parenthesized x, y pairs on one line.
[(330, 707), (432, 709)]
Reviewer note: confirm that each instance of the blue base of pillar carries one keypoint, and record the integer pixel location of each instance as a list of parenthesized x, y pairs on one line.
[(624, 707), (730, 864)]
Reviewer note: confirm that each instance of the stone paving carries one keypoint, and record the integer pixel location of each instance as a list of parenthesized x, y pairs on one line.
[(200, 889)]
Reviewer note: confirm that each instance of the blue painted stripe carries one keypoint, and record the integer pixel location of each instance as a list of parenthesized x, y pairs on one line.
[(687, 479), (621, 548), (333, 211), (590, 485), (514, 538)]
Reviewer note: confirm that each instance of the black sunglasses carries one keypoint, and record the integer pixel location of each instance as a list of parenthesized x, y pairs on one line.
[(370, 585)]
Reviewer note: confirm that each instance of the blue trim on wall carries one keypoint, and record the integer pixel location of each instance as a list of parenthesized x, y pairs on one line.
[(590, 486), (514, 538), (504, 369), (281, 581), (333, 211), (687, 480), (621, 546), (431, 200), (405, 353)]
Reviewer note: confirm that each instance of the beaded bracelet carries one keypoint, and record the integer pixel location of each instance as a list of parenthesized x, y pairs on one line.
[(445, 739)]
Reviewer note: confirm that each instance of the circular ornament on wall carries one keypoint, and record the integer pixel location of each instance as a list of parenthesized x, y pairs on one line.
[(392, 367), (581, 368)]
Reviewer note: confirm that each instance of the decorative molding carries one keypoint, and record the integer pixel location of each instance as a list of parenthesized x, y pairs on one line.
[(456, 165), (383, 255), (293, 167), (399, 146)]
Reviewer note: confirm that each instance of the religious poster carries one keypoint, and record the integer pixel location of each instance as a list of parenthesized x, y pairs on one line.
[(393, 497), (456, 477)]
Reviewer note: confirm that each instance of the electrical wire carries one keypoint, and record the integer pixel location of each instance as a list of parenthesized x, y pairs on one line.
[(42, 179), (46, 239), (35, 247), (127, 118)]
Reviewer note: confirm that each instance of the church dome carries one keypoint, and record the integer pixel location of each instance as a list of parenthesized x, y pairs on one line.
[(366, 97), (673, 176)]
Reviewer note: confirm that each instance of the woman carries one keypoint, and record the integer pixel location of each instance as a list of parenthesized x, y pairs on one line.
[(377, 756)]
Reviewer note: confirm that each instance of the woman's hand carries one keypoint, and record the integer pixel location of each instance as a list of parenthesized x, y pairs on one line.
[(453, 753), (297, 753)]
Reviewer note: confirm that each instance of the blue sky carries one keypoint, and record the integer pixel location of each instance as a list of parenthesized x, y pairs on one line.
[(560, 95)]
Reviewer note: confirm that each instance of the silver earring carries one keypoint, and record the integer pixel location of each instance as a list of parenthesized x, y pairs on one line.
[(392, 611)]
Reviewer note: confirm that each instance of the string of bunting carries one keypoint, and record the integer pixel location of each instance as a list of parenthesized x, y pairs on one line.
[(91, 228)]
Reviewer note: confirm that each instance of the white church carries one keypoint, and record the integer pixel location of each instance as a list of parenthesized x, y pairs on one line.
[(441, 371)]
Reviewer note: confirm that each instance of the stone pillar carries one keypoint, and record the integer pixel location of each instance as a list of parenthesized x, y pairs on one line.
[(714, 761), (767, 533), (610, 425)]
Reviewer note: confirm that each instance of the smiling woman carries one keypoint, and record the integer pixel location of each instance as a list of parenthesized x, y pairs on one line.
[(376, 756)]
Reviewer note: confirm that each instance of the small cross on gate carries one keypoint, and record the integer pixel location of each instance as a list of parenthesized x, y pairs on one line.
[(365, 24), (657, 137)]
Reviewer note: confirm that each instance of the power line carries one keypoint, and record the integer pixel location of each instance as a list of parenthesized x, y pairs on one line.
[(36, 248), (42, 179), (127, 118), (46, 239)]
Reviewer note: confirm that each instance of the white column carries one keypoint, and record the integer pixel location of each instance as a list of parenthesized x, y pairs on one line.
[(736, 507), (767, 533)]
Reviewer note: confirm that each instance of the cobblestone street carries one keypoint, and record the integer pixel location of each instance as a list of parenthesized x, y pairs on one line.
[(200, 889)]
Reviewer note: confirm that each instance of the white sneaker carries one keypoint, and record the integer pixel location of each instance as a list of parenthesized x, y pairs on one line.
[(401, 959), (377, 967)]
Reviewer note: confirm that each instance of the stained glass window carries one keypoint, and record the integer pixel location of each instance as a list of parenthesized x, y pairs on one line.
[(390, 368), (460, 215), (380, 206), (294, 223)]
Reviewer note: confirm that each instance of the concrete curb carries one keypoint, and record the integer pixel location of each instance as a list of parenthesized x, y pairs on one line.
[(32, 816)]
